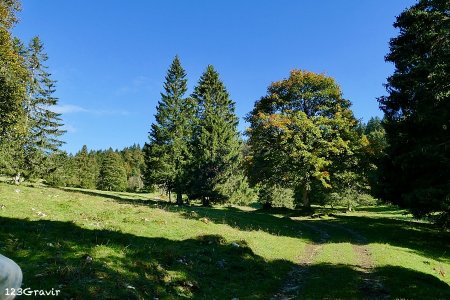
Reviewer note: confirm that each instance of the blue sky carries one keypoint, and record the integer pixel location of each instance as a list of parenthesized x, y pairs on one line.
[(110, 57)]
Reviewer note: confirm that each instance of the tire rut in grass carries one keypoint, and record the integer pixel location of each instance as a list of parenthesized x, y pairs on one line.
[(299, 274), (370, 286)]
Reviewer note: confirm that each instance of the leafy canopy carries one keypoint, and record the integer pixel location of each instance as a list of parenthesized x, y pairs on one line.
[(296, 129)]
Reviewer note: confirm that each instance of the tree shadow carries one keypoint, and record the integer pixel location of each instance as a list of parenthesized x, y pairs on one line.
[(339, 281), (383, 209), (124, 198), (105, 264), (422, 238)]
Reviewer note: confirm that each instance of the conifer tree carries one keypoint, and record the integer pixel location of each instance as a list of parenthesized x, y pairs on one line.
[(87, 168), (216, 141), (135, 165), (416, 172), (63, 170), (113, 176), (167, 153), (42, 124)]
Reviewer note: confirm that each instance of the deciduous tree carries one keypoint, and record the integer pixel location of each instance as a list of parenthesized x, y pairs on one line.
[(296, 130), (13, 75)]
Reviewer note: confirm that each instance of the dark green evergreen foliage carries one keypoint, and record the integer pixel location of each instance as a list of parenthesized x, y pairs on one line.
[(374, 151), (11, 155), (135, 165), (112, 176), (63, 170), (87, 168), (83, 169), (42, 124), (167, 153), (416, 171), (217, 145)]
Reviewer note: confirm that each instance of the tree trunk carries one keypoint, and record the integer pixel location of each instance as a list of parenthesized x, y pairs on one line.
[(206, 201), (267, 205), (349, 206), (17, 179), (179, 198), (305, 198), (170, 196)]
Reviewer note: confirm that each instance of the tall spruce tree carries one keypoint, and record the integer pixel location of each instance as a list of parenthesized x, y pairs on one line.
[(113, 176), (216, 141), (43, 125), (87, 168), (167, 153), (416, 173)]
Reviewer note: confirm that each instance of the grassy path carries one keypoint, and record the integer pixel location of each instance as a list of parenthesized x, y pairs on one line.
[(298, 276), (369, 286)]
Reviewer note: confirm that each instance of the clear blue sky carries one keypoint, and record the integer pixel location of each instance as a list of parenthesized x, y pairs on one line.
[(110, 57)]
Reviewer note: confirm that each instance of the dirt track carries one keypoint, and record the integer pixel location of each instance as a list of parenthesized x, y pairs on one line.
[(369, 286)]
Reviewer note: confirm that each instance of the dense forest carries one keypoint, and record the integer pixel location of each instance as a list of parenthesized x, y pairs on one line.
[(303, 146)]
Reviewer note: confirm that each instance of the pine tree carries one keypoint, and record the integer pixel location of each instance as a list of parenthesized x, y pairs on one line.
[(167, 153), (87, 168), (216, 141), (43, 125), (135, 165), (416, 172), (113, 176), (63, 170)]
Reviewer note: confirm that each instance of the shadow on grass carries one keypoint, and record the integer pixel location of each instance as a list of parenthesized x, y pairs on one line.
[(104, 264), (124, 198), (422, 238), (328, 281), (383, 209)]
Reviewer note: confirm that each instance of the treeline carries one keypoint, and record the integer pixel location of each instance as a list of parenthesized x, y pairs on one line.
[(109, 170)]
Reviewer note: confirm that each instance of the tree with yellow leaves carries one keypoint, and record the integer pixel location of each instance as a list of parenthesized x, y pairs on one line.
[(297, 131)]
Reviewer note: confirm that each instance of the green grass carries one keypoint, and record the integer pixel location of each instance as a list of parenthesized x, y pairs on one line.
[(142, 247)]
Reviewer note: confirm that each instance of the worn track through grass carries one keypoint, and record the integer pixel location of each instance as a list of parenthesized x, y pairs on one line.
[(370, 286), (299, 274)]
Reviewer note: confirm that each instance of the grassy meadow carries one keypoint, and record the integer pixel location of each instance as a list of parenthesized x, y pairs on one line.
[(104, 245)]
